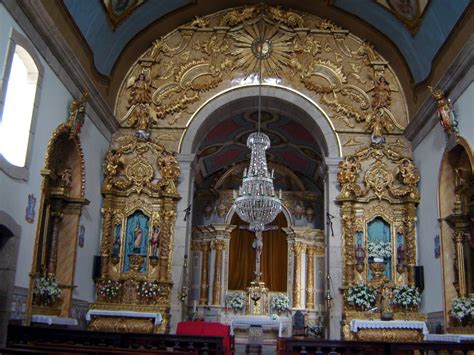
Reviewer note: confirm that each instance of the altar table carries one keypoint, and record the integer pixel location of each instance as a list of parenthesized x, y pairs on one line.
[(396, 330), (123, 321), (52, 320), (282, 324)]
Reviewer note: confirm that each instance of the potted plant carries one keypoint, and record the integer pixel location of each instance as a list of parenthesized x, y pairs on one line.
[(108, 290), (148, 291), (362, 296), (462, 309), (280, 303), (236, 301), (46, 290)]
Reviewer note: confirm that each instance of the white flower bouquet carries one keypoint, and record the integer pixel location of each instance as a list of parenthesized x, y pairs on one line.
[(317, 329), (379, 250), (406, 296), (46, 289), (462, 308), (362, 296), (236, 301), (108, 289), (148, 291), (280, 303)]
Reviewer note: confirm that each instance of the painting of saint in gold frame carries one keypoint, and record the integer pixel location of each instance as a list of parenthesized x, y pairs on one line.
[(410, 12), (119, 10)]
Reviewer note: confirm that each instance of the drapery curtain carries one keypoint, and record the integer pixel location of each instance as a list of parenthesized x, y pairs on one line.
[(274, 255)]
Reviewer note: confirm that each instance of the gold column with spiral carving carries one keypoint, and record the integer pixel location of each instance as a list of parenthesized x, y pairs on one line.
[(310, 250), (458, 240), (204, 282), (298, 249), (218, 246)]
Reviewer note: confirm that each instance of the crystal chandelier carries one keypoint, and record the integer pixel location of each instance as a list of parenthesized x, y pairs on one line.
[(256, 202)]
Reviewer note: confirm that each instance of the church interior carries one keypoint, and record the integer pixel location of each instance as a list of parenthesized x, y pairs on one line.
[(265, 175)]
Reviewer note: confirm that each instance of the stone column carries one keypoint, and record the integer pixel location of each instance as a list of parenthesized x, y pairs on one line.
[(298, 249), (310, 276), (333, 252), (218, 246), (204, 281)]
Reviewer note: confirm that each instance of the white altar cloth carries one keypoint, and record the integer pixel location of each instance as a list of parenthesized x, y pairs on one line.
[(39, 318), (357, 324), (266, 322), (452, 338), (130, 314)]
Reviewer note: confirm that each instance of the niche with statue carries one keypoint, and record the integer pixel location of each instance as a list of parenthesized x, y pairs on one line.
[(62, 198)]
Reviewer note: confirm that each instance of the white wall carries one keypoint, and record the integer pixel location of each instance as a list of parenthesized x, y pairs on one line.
[(428, 155), (53, 110)]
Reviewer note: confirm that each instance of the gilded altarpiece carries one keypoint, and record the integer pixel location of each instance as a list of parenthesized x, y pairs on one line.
[(378, 201), (139, 215), (344, 76)]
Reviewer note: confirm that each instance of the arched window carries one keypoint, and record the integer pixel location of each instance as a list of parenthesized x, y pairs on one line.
[(19, 93)]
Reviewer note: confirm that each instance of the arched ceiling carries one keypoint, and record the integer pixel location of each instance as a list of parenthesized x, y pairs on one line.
[(291, 144), (436, 20)]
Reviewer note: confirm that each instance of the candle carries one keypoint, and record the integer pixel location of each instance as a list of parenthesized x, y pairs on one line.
[(195, 303)]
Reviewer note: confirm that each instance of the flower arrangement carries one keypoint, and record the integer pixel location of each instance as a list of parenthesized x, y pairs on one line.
[(380, 250), (236, 301), (108, 289), (362, 296), (148, 291), (462, 308), (280, 303), (317, 329), (46, 289), (406, 296)]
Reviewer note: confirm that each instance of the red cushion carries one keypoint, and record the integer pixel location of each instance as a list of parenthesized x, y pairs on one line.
[(206, 329)]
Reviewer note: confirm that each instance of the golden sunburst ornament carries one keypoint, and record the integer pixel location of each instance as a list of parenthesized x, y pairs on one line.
[(269, 43)]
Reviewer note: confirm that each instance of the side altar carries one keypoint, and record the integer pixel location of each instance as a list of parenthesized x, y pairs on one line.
[(139, 213)]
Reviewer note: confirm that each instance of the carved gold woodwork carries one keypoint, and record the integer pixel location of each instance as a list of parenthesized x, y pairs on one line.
[(298, 250), (204, 270), (140, 177), (181, 70), (389, 335), (122, 325), (310, 251), (377, 181), (218, 246), (60, 208)]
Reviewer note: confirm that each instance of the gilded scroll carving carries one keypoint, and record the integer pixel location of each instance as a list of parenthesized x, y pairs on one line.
[(213, 53)]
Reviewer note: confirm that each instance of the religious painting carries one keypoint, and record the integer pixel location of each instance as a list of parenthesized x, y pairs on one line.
[(136, 240), (409, 12), (30, 209), (82, 231), (379, 245), (119, 10)]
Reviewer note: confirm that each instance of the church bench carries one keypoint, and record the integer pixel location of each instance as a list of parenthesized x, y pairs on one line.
[(105, 341), (300, 345)]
